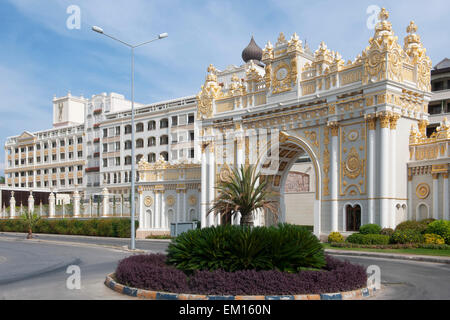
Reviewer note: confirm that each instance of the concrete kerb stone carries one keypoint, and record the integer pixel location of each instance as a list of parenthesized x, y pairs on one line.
[(155, 295), (395, 256)]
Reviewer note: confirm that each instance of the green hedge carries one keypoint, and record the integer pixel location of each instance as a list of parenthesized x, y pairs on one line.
[(407, 236), (371, 239), (230, 248), (441, 228), (391, 246), (113, 227), (370, 229)]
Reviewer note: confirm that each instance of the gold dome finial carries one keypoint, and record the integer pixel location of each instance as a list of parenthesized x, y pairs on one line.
[(384, 14), (412, 28)]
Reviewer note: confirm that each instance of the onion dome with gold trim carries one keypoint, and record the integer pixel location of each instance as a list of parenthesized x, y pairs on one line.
[(252, 52)]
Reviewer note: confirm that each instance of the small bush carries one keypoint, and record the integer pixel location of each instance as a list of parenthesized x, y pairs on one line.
[(406, 236), (368, 239), (387, 231), (441, 228), (230, 248), (419, 226), (432, 238), (335, 237), (370, 229)]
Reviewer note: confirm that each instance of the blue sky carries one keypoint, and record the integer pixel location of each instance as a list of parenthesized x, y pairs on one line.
[(41, 57)]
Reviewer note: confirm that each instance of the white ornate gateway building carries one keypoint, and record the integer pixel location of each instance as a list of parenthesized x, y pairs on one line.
[(342, 143)]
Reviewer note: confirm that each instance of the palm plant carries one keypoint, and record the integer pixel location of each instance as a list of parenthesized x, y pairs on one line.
[(244, 192), (30, 219)]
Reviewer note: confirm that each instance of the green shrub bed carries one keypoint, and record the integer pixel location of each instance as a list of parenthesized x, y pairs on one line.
[(285, 247), (392, 246), (378, 239), (112, 227)]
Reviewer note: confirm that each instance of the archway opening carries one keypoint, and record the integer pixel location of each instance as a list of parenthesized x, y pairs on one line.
[(295, 184), (353, 217)]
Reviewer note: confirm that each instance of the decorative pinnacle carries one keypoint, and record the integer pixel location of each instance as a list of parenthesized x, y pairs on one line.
[(412, 28), (384, 14)]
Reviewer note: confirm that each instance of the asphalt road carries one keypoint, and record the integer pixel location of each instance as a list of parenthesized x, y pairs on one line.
[(37, 270)]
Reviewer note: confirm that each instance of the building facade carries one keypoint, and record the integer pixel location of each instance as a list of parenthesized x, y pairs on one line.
[(342, 143)]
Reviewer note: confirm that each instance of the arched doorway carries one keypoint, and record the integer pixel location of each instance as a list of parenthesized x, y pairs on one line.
[(353, 217), (290, 150)]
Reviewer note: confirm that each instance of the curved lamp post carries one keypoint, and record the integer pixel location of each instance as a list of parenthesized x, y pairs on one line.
[(133, 160)]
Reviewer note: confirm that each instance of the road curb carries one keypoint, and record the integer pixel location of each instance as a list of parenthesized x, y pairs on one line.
[(156, 295), (395, 256), (78, 244)]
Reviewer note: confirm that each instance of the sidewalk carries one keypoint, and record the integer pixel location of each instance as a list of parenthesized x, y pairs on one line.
[(398, 256)]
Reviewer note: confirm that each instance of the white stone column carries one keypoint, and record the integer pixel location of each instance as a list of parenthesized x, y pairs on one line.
[(211, 185), (384, 170), (410, 195), (435, 195), (372, 124), (393, 169), (178, 212), (240, 162), (105, 210), (12, 206), (157, 209), (51, 205), (31, 203), (163, 213), (334, 176), (76, 204), (204, 187), (446, 197), (184, 207), (142, 224)]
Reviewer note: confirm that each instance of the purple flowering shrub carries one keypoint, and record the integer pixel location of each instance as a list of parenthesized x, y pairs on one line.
[(150, 272)]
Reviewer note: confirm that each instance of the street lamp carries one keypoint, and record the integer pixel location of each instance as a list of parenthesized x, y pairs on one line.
[(133, 159)]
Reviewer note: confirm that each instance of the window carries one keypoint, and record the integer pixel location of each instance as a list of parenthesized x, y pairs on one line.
[(139, 143), (80, 140), (53, 170), (80, 154), (191, 151), (191, 118), (105, 133), (164, 123), (62, 169), (63, 182), (165, 156), (434, 109), (79, 168), (140, 127), (62, 156), (117, 161), (151, 141), (174, 121), (105, 163), (127, 145), (138, 158), (80, 181), (438, 85), (70, 169), (164, 140), (70, 142), (62, 143), (22, 150), (38, 159), (128, 129), (151, 157), (54, 144), (127, 160), (38, 147), (151, 125), (105, 147), (117, 146), (117, 131), (54, 157)]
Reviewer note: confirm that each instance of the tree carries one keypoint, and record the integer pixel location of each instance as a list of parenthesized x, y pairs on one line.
[(244, 192), (30, 220), (2, 179)]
